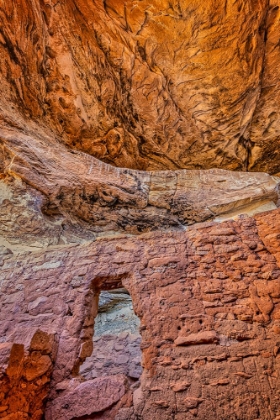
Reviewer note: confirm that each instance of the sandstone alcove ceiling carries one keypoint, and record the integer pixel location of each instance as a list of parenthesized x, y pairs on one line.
[(147, 85), (139, 149)]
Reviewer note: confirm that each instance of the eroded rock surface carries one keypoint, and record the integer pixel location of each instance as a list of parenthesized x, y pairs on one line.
[(74, 197), (161, 85)]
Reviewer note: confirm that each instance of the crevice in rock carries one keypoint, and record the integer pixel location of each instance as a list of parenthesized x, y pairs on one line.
[(263, 32), (247, 145)]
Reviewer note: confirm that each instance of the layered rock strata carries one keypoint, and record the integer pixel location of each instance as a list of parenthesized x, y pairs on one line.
[(50, 195), (208, 300)]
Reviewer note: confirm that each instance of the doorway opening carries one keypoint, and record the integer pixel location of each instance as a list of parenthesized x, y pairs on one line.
[(116, 340)]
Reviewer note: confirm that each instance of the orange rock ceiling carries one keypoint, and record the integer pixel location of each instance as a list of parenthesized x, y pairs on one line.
[(148, 85)]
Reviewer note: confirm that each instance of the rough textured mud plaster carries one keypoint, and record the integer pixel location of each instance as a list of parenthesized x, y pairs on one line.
[(147, 85), (209, 304)]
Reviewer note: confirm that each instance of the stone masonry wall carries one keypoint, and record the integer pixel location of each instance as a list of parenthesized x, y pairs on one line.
[(209, 304)]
